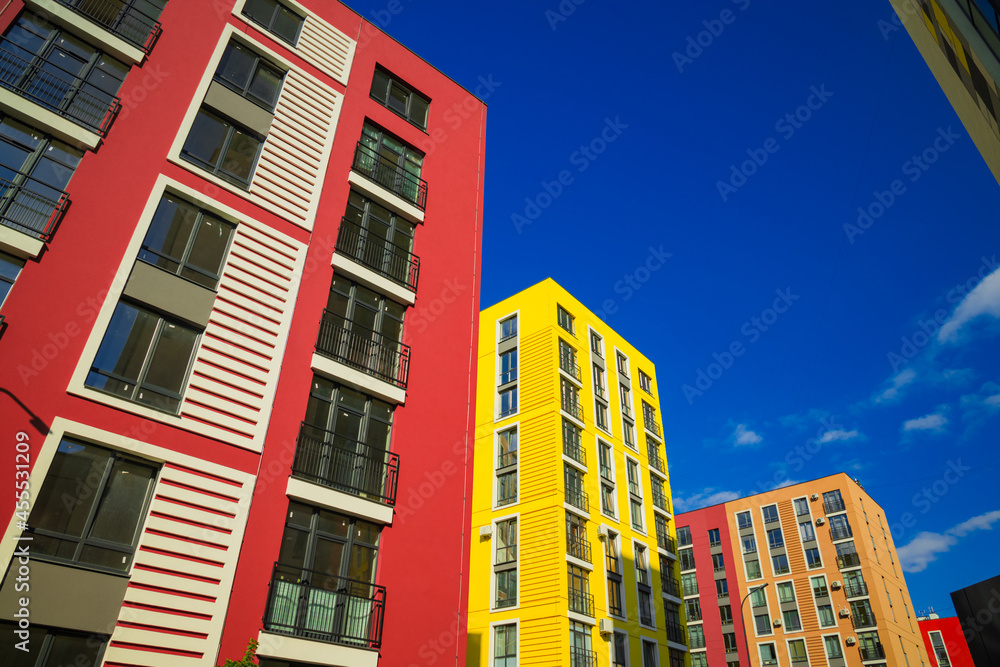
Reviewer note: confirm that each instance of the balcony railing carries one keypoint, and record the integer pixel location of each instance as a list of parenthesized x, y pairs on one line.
[(575, 451), (833, 505), (121, 19), (573, 407), (876, 652), (398, 265), (691, 589), (28, 205), (854, 589), (578, 498), (330, 459), (848, 560), (578, 547), (670, 585), (676, 633), (581, 657), (367, 351), (581, 603), (315, 605), (863, 620), (390, 175), (654, 458), (62, 92), (568, 364), (697, 641), (664, 541), (840, 532), (660, 499), (651, 425)]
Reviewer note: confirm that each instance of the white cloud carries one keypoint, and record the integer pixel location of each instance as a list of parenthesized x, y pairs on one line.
[(932, 422), (833, 436), (926, 546), (984, 299), (896, 382), (787, 482), (706, 498), (743, 436)]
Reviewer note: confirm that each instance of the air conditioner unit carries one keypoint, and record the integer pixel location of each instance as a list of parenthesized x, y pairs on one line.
[(844, 613), (603, 533), (606, 626), (820, 521), (814, 496), (850, 641), (486, 531), (777, 622), (835, 585)]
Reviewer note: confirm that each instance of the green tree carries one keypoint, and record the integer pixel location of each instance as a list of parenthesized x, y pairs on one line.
[(249, 659)]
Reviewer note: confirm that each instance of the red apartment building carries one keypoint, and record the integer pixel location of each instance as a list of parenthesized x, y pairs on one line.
[(239, 285), (945, 641)]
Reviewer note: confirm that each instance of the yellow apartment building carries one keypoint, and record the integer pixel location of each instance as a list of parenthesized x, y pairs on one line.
[(573, 550)]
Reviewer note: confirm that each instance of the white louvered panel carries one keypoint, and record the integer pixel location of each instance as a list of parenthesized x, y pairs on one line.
[(186, 495), (265, 280), (221, 487), (182, 529), (266, 266), (162, 619), (160, 639), (183, 565), (219, 353), (241, 315), (217, 380), (224, 405), (266, 247), (211, 390), (165, 601), (326, 47), (222, 326), (230, 426), (123, 656), (266, 315), (173, 582)]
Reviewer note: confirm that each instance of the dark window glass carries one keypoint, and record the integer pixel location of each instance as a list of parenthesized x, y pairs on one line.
[(188, 241), (275, 17), (391, 162), (380, 239), (390, 92), (334, 546), (250, 75), (51, 648), (223, 148), (10, 267)]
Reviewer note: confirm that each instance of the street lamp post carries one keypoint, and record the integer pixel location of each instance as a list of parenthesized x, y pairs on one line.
[(746, 642)]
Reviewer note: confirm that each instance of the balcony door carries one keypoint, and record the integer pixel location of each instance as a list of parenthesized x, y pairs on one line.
[(391, 163), (365, 330)]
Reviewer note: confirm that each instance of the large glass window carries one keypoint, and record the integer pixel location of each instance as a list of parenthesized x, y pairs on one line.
[(144, 357), (100, 528), (48, 647), (797, 650), (222, 147), (187, 241), (770, 513), (806, 531), (565, 320), (506, 541), (389, 91), (508, 328), (780, 564), (753, 569), (10, 267), (363, 328), (508, 366), (383, 241), (391, 163), (832, 645), (505, 646), (743, 520), (276, 18), (249, 75)]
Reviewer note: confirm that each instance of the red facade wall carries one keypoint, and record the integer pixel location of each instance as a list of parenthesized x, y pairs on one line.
[(954, 641)]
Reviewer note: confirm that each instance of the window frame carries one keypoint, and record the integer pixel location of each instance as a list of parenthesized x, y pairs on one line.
[(269, 27), (259, 62), (411, 93), (565, 320), (506, 659), (216, 169), (10, 260)]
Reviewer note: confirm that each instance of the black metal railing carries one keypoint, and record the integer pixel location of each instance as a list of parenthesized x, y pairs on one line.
[(575, 451), (28, 205), (848, 560), (315, 605), (398, 265), (664, 541), (62, 92), (651, 425), (691, 588), (578, 498), (660, 499), (875, 652), (833, 505), (390, 175), (840, 532), (854, 589), (367, 351), (578, 547), (121, 19), (670, 585), (330, 459), (568, 363), (687, 560), (654, 458), (581, 657), (863, 619), (573, 407), (676, 633), (581, 602)]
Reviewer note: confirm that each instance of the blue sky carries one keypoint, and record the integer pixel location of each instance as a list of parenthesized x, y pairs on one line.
[(607, 150)]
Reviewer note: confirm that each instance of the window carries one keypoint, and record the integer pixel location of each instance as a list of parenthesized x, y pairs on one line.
[(762, 624), (144, 358), (725, 614), (792, 621), (392, 93), (635, 512), (819, 588), (605, 457), (98, 529), (786, 592), (565, 320), (599, 382), (775, 538), (608, 500), (567, 359), (580, 652), (505, 645), (689, 583), (699, 659), (276, 18), (749, 544), (758, 597), (684, 536), (52, 647), (632, 471), (622, 362), (570, 398), (601, 416), (506, 458), (721, 587), (391, 163), (797, 650), (626, 400), (840, 528), (628, 435), (580, 599), (506, 542), (650, 657), (507, 448), (847, 555), (770, 513), (729, 640), (833, 501), (780, 563), (508, 402), (508, 328), (10, 267), (381, 240), (619, 650), (718, 562), (187, 241), (692, 609), (753, 570), (645, 383), (940, 651), (574, 487), (768, 654), (743, 520), (862, 614), (247, 74), (508, 366), (506, 488), (826, 617), (714, 539), (686, 557), (832, 645), (801, 506), (596, 344), (696, 635), (505, 563), (806, 531), (812, 558), (222, 147), (506, 593), (613, 564)]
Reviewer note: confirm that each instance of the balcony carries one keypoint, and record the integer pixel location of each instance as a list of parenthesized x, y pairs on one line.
[(60, 91), (650, 422), (665, 542), (578, 498), (670, 585), (575, 451), (398, 265), (568, 364), (30, 206), (580, 657), (697, 641), (848, 560), (676, 633), (873, 652), (326, 458), (660, 499), (854, 589), (581, 602), (654, 458), (833, 505), (390, 175), (572, 406), (840, 533), (318, 606), (367, 351), (690, 589), (863, 619), (578, 547), (121, 19)]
